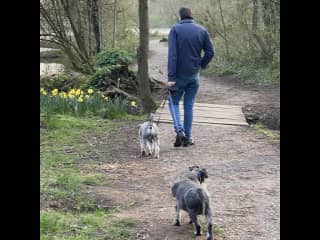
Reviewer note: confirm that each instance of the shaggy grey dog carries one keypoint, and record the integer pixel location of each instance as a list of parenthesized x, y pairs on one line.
[(149, 139), (193, 198)]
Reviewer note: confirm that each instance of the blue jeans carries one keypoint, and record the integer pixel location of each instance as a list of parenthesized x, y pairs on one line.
[(188, 88)]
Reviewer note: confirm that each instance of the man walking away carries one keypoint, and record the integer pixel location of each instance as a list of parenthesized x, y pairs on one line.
[(186, 41)]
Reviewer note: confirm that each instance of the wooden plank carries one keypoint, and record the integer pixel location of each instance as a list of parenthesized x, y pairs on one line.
[(206, 114), (209, 124), (195, 108), (209, 105), (204, 119), (206, 110), (222, 116), (197, 112), (197, 118), (207, 119), (213, 121)]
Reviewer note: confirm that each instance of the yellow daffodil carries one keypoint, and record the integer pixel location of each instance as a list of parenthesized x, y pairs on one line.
[(71, 96), (87, 96), (106, 98), (44, 92), (54, 92), (78, 92), (90, 91), (80, 99), (63, 95), (72, 91), (133, 104), (41, 90)]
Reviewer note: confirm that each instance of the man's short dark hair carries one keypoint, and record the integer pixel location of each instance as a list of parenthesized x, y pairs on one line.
[(185, 13)]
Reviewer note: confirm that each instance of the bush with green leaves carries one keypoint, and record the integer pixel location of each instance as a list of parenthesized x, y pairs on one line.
[(108, 77), (112, 57), (247, 73), (100, 80)]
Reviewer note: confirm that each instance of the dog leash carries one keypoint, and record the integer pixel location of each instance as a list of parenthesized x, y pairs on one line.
[(166, 96), (162, 105), (172, 109)]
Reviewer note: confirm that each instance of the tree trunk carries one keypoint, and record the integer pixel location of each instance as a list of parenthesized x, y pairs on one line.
[(224, 30), (266, 51), (255, 16), (142, 54), (101, 25), (84, 55), (269, 20), (56, 14), (95, 24), (89, 9), (114, 24)]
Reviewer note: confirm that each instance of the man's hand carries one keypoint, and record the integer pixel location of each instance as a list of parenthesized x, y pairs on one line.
[(172, 87), (170, 84)]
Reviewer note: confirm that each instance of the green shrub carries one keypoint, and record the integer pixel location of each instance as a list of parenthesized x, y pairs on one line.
[(100, 80), (247, 73), (112, 57)]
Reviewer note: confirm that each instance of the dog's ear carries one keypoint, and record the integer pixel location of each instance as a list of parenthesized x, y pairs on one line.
[(193, 167), (205, 173), (202, 174)]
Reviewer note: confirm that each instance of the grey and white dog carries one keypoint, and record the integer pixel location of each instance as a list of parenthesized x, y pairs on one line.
[(193, 198), (149, 139)]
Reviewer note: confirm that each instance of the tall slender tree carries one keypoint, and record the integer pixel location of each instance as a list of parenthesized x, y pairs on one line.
[(142, 54), (114, 24)]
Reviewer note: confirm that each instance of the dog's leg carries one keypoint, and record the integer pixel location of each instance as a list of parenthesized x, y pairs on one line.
[(157, 148), (208, 215), (194, 219), (153, 146), (149, 148), (142, 145), (157, 152), (142, 150), (178, 215)]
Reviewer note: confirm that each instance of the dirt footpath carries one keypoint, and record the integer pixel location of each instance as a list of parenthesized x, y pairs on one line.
[(243, 167)]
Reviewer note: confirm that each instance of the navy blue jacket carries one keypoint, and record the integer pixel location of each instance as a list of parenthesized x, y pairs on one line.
[(186, 41)]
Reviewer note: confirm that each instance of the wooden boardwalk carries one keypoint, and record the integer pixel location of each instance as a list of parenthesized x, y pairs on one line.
[(207, 114)]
